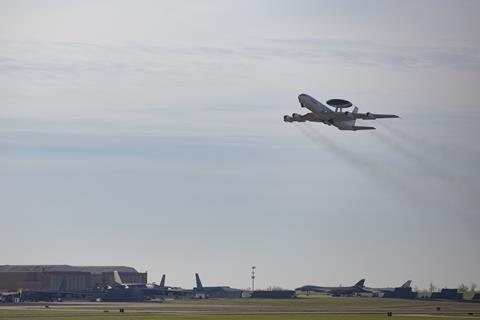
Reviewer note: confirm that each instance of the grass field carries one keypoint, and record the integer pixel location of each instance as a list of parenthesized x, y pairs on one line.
[(322, 308)]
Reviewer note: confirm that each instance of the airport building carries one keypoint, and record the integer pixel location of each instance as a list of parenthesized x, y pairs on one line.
[(64, 277)]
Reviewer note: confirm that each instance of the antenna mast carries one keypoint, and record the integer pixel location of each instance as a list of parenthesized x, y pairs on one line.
[(253, 278)]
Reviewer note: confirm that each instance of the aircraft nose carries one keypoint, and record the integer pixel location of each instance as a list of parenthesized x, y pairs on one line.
[(302, 98)]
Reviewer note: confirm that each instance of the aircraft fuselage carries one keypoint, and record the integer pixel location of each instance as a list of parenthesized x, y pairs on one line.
[(313, 105)]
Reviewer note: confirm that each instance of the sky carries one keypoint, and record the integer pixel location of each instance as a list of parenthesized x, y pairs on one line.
[(150, 134)]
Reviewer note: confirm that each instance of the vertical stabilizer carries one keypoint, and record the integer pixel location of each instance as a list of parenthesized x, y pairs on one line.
[(116, 277), (350, 123), (199, 283), (360, 283), (162, 282), (407, 284)]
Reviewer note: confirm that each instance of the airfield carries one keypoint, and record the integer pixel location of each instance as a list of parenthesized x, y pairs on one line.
[(300, 308)]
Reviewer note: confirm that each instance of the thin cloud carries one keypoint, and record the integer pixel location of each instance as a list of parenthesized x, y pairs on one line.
[(315, 50)]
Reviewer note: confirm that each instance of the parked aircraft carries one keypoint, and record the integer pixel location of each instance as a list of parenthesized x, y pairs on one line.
[(120, 283), (215, 292), (122, 291), (336, 291), (406, 285), (343, 120)]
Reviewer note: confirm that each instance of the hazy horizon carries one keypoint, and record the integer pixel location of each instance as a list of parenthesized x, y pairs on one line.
[(150, 134)]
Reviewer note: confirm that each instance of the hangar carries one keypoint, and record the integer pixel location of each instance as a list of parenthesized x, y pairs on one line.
[(64, 277)]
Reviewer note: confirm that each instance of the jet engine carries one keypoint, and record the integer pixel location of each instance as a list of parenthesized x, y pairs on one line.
[(287, 119), (297, 117)]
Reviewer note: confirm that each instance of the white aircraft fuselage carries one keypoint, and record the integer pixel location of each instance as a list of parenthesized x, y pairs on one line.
[(312, 104), (324, 113)]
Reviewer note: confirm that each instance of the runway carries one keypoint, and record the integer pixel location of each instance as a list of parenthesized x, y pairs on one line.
[(301, 308)]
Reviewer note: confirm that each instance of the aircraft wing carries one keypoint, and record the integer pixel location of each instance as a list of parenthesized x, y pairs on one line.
[(373, 116), (344, 116), (309, 117)]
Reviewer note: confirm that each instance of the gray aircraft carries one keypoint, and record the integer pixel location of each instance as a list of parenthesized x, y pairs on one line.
[(343, 120), (336, 291), (377, 291), (122, 291), (215, 292)]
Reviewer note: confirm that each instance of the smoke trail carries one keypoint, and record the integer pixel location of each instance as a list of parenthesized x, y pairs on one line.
[(468, 191), (418, 142), (404, 135), (414, 157), (379, 174), (350, 157), (365, 166)]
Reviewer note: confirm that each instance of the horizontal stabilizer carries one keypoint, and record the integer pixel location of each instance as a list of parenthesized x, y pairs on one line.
[(384, 116), (355, 128)]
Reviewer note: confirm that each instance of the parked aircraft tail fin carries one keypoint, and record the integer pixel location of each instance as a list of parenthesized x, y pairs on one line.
[(116, 277), (360, 283), (199, 283), (162, 282), (407, 284)]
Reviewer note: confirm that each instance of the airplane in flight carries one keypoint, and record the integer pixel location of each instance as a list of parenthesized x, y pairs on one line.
[(336, 291), (343, 120)]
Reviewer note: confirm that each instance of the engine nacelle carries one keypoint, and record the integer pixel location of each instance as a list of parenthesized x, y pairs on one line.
[(297, 117), (287, 119), (369, 115)]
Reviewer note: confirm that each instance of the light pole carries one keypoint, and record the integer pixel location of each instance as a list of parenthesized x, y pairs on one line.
[(253, 278)]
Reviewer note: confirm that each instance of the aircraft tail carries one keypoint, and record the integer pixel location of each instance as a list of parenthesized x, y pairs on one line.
[(162, 282), (407, 284), (347, 124), (199, 283), (360, 283), (116, 277), (355, 128)]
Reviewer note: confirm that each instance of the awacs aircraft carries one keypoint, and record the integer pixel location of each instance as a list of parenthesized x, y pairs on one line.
[(336, 291), (343, 120), (391, 289), (215, 292)]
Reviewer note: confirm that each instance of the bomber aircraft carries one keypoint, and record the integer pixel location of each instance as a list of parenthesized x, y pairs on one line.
[(336, 291), (122, 291), (215, 292), (389, 289), (343, 120)]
